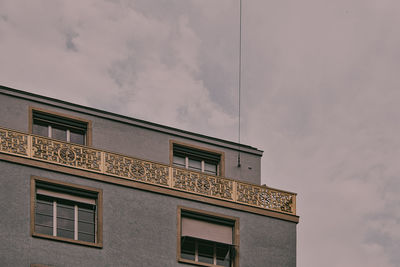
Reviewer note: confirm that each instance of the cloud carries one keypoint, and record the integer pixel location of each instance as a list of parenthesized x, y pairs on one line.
[(93, 51), (329, 109)]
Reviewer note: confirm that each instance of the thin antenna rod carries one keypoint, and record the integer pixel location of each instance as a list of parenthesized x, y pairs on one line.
[(240, 72)]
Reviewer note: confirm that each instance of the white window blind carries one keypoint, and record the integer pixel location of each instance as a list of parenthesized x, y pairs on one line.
[(207, 230)]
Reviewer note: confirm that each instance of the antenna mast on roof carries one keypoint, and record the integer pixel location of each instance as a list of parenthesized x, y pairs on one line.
[(240, 73)]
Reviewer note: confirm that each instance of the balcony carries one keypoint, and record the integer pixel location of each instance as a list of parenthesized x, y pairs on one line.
[(121, 166)]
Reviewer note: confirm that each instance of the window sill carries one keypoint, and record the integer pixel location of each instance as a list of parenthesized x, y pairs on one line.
[(198, 263), (67, 240)]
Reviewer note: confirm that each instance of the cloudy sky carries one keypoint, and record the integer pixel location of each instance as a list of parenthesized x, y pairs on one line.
[(320, 94)]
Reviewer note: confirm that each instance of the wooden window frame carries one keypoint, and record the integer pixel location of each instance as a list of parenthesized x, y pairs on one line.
[(235, 228), (88, 135), (220, 167), (99, 211)]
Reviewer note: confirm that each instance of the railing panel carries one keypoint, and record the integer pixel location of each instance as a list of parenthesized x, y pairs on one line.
[(13, 142), (136, 169), (264, 197), (199, 183), (66, 154)]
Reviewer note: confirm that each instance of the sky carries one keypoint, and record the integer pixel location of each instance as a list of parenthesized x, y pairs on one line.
[(320, 94)]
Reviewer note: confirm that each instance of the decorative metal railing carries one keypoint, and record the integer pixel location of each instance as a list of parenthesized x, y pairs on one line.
[(113, 164)]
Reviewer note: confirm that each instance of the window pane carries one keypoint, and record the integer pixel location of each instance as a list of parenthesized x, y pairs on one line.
[(65, 219), (188, 248), (85, 215), (44, 215), (44, 220), (44, 230), (65, 211), (210, 168), (40, 129), (59, 133), (77, 137), (87, 228), (86, 223), (65, 233), (44, 207), (223, 257), (86, 237), (194, 164), (65, 224), (179, 161), (206, 251)]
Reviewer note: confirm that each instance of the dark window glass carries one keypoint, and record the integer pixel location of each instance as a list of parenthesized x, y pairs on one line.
[(188, 248), (44, 229), (65, 219), (65, 224), (77, 137), (44, 220), (65, 233), (223, 257), (86, 222), (194, 164), (206, 251), (59, 133), (65, 211), (44, 215), (44, 206), (86, 215), (86, 237), (179, 161), (87, 228), (40, 129), (210, 168)]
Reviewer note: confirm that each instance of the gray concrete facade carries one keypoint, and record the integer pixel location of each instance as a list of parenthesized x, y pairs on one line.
[(139, 228)]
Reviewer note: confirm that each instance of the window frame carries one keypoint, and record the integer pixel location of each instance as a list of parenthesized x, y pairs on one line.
[(64, 185), (206, 214), (221, 154), (88, 123)]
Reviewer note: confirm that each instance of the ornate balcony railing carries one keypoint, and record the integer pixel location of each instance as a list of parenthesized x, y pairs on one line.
[(113, 164)]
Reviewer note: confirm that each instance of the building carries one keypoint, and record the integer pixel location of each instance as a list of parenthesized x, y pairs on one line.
[(85, 187)]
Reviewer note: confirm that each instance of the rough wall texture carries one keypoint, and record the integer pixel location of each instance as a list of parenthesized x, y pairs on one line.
[(139, 228)]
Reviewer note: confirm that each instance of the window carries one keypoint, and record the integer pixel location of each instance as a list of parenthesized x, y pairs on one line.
[(207, 239), (66, 212), (59, 127), (195, 159)]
